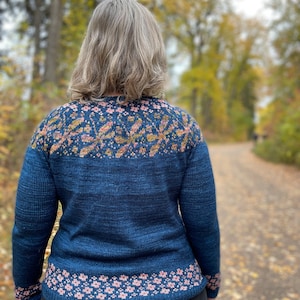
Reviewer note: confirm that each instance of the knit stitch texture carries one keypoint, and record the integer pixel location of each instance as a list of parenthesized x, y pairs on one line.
[(139, 207)]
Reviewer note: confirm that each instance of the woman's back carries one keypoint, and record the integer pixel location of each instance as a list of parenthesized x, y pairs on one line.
[(118, 171), (133, 175)]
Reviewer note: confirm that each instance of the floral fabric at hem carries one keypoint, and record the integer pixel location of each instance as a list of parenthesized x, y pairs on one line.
[(82, 286)]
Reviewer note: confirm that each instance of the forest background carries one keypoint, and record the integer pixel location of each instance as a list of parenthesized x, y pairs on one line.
[(239, 77)]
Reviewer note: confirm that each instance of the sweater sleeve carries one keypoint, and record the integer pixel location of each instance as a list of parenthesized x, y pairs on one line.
[(199, 213), (35, 213)]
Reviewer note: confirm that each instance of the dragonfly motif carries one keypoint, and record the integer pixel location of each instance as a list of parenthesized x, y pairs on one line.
[(160, 137), (105, 132), (131, 140)]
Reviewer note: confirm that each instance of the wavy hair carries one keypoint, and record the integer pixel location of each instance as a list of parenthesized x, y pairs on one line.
[(122, 53)]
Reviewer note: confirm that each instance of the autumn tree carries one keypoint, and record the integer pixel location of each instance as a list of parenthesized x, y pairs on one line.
[(286, 32), (189, 25), (53, 41), (281, 118), (219, 81), (242, 47), (75, 21), (34, 25), (12, 125), (55, 30)]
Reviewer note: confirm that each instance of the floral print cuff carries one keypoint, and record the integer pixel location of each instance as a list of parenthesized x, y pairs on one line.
[(22, 293)]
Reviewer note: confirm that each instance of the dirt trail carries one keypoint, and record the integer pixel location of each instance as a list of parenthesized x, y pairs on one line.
[(258, 204)]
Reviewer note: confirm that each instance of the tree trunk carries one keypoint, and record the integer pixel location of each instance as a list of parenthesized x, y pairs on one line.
[(193, 103), (206, 111), (52, 52), (37, 40)]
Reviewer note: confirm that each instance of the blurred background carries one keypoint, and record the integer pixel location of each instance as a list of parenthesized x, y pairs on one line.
[(234, 65)]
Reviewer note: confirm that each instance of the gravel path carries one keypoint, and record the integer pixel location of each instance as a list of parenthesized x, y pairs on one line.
[(258, 204)]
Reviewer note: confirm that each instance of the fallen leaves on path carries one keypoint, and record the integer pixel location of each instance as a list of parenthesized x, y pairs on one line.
[(258, 205)]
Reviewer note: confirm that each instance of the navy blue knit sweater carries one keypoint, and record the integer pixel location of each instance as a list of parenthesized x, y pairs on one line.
[(139, 208)]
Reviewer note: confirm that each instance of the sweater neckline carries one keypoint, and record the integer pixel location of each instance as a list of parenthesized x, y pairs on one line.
[(118, 99)]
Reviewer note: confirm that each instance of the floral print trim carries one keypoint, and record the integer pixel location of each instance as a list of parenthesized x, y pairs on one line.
[(214, 282), (25, 293), (105, 128), (82, 286)]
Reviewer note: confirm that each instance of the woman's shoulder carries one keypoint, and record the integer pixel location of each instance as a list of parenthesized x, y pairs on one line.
[(186, 122), (62, 109), (60, 113), (53, 122)]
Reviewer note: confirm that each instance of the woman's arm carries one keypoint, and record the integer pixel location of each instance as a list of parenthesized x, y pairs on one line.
[(35, 213), (199, 213)]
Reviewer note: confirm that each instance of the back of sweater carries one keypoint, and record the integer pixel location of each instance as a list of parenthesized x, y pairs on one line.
[(138, 199)]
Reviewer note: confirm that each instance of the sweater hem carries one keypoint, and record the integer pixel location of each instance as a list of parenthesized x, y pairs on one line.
[(181, 283)]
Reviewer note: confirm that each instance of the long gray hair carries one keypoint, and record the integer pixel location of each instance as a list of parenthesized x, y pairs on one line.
[(123, 52)]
